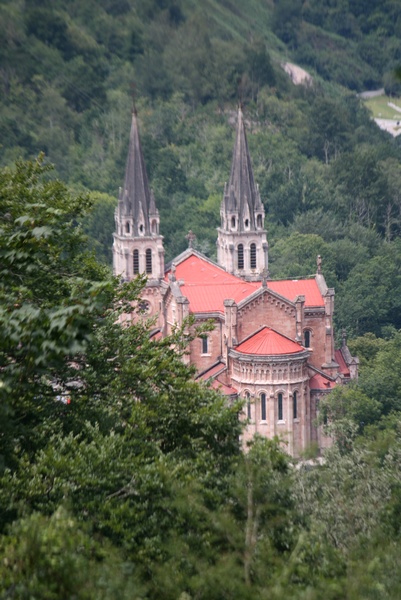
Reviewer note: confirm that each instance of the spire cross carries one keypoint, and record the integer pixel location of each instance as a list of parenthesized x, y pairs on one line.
[(265, 276), (191, 237), (319, 264), (172, 276)]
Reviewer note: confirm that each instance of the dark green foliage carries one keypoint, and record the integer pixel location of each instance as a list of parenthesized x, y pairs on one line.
[(49, 286), (287, 18), (138, 489), (50, 28)]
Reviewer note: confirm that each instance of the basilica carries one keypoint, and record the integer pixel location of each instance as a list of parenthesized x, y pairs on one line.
[(272, 343)]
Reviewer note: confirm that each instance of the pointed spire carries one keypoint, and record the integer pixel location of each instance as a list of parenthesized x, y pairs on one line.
[(242, 194), (136, 198)]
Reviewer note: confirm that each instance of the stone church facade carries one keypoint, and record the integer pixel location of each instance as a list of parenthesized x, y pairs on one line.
[(273, 342)]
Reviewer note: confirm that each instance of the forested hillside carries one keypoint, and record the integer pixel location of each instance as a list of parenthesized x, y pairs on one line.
[(69, 71), (137, 488)]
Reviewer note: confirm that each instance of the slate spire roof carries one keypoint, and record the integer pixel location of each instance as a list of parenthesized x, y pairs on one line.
[(136, 198), (241, 194)]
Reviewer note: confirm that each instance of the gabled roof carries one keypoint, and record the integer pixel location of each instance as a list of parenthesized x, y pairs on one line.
[(136, 199), (212, 374), (223, 388), (320, 382), (344, 370), (268, 342), (212, 371), (241, 188), (291, 288), (206, 285)]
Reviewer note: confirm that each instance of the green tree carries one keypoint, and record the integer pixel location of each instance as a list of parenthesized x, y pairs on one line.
[(52, 558), (49, 287), (98, 225)]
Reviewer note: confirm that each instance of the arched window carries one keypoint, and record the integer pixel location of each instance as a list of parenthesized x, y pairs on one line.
[(127, 227), (233, 222), (248, 406), (307, 338), (247, 223), (253, 256), (259, 222), (295, 405), (148, 261), (240, 256), (136, 262), (141, 228), (280, 407), (205, 344), (263, 407)]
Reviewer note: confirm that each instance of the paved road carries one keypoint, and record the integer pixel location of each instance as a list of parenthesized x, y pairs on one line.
[(372, 94)]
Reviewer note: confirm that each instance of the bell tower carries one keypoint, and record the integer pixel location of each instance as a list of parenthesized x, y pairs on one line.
[(242, 247), (138, 245)]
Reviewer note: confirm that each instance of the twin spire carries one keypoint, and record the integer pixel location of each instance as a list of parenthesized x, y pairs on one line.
[(136, 198), (241, 195), (241, 245)]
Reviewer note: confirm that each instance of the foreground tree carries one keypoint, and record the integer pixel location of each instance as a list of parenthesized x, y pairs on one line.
[(50, 291)]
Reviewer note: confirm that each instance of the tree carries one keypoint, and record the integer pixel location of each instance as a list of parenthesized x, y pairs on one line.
[(287, 18), (138, 432), (350, 403), (52, 557), (49, 291), (296, 256), (369, 298), (99, 225)]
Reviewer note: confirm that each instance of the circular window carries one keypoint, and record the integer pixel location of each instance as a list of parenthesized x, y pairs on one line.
[(144, 307)]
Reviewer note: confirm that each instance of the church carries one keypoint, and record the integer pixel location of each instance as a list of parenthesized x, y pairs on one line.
[(272, 343)]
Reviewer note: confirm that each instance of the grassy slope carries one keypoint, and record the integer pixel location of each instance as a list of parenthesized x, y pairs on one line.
[(381, 110)]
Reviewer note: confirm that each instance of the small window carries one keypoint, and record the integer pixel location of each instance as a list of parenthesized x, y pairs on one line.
[(233, 222), (205, 344), (141, 228), (148, 261), (248, 406), (246, 223), (144, 307), (295, 405), (154, 226), (253, 256), (136, 262), (280, 407), (127, 227), (240, 257), (263, 407), (259, 221), (307, 337)]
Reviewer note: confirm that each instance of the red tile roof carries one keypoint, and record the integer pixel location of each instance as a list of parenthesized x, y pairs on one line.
[(224, 389), (212, 371), (344, 370), (319, 382), (207, 285), (291, 288), (268, 342)]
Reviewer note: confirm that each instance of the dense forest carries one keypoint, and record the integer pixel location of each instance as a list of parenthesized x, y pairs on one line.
[(120, 476)]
